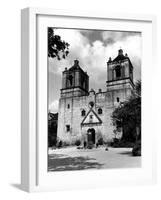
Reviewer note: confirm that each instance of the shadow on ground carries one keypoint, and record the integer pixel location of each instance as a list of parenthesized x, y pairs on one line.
[(61, 163), (129, 153), (16, 185)]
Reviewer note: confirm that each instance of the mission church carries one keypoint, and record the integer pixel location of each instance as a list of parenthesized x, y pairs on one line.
[(85, 114)]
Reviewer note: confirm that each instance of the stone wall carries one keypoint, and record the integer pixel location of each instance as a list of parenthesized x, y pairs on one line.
[(70, 114)]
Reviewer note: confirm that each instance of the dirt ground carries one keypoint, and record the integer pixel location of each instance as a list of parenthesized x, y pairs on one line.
[(71, 158)]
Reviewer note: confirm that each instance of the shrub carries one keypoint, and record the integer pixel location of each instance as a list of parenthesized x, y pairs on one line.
[(116, 140), (60, 143), (65, 144), (136, 151), (100, 141), (77, 142), (122, 143), (52, 140)]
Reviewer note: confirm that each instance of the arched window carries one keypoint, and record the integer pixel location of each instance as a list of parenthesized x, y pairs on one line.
[(118, 99), (118, 71), (70, 78), (83, 113), (83, 82), (91, 104), (100, 111)]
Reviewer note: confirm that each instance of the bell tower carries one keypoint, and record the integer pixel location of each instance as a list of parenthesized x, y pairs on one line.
[(75, 82), (120, 77), (119, 71)]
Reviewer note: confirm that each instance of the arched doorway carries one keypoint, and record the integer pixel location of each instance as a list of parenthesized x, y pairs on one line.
[(91, 135)]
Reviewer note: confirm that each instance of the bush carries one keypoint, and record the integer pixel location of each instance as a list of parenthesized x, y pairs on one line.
[(77, 142), (60, 143), (100, 141), (65, 144), (136, 151), (121, 143), (116, 140), (52, 141)]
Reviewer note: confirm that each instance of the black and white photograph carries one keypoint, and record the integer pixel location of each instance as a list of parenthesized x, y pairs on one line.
[(94, 99)]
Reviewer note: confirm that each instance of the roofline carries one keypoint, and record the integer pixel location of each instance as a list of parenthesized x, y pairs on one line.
[(77, 69), (126, 78), (91, 110), (115, 62)]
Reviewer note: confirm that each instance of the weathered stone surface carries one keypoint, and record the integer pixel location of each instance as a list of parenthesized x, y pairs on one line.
[(75, 97)]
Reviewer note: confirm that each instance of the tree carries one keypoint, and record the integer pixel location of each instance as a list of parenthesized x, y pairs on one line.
[(128, 116), (52, 129), (56, 46)]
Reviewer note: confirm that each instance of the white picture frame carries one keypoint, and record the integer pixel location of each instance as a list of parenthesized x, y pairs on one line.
[(33, 177)]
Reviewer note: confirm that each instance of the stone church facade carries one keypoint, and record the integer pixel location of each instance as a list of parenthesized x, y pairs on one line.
[(84, 114)]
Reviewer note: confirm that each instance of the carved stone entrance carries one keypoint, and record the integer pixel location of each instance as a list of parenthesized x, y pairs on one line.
[(91, 135)]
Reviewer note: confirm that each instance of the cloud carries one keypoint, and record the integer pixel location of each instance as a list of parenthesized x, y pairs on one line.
[(78, 46), (93, 49), (111, 37), (132, 46), (53, 106)]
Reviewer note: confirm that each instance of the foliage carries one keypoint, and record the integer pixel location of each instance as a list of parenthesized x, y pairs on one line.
[(52, 129), (52, 136), (65, 144), (100, 141), (60, 144), (122, 143), (77, 142), (128, 115), (52, 140), (137, 149), (56, 46)]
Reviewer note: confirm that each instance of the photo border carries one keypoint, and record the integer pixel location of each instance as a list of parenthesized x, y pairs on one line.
[(29, 111)]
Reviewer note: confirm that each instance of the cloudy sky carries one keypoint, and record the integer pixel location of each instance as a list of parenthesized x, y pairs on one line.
[(92, 48)]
